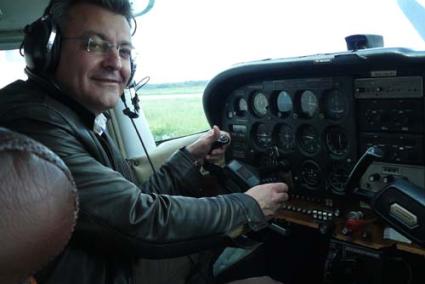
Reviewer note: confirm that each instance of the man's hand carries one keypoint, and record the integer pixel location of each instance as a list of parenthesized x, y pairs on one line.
[(201, 148), (269, 196)]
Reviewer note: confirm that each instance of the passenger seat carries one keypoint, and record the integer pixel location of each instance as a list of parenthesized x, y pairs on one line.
[(38, 207)]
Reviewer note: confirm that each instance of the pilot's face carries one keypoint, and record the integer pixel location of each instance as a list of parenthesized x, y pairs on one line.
[(94, 78)]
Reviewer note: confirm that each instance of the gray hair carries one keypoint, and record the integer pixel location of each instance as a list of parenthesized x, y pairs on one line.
[(58, 9)]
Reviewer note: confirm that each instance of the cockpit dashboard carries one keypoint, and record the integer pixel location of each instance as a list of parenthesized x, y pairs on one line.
[(308, 120)]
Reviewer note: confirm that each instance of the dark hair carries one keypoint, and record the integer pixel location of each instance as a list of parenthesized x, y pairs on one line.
[(58, 9)]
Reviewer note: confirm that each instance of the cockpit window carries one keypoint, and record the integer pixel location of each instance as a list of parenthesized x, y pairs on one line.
[(12, 66), (182, 44), (194, 40)]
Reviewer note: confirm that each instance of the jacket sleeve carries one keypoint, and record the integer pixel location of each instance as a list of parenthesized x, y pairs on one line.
[(177, 176), (116, 214)]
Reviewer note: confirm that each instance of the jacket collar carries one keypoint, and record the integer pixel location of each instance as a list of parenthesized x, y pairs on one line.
[(93, 122)]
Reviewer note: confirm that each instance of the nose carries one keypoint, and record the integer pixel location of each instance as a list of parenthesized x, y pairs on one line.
[(112, 59)]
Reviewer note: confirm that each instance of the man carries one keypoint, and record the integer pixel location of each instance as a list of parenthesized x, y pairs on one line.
[(119, 220)]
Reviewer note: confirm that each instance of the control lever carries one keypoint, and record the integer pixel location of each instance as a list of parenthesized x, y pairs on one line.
[(220, 142), (372, 154), (401, 203), (212, 168)]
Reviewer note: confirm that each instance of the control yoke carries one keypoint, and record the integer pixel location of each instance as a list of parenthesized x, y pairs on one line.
[(372, 154), (401, 203)]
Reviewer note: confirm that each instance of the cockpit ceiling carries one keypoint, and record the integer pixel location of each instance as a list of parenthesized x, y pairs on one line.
[(14, 15)]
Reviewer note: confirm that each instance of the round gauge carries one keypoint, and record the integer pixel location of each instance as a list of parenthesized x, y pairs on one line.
[(337, 178), (285, 138), (310, 174), (260, 104), (284, 104), (241, 106), (336, 141), (263, 135), (309, 104), (335, 105), (308, 139)]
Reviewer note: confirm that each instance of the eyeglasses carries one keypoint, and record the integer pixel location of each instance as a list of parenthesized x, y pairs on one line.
[(94, 44)]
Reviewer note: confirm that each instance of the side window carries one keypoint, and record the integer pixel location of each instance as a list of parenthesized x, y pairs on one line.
[(12, 66), (174, 109)]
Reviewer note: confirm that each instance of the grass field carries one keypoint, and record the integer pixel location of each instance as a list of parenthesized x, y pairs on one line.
[(173, 90), (174, 112), (191, 87)]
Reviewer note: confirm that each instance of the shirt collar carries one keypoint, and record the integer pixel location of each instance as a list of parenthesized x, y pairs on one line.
[(99, 125)]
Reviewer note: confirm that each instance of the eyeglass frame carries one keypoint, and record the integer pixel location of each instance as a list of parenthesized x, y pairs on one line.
[(105, 45)]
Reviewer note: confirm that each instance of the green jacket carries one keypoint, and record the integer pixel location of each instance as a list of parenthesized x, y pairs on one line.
[(120, 220)]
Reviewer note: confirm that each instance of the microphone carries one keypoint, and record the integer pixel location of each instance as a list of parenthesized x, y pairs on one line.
[(134, 87), (135, 114)]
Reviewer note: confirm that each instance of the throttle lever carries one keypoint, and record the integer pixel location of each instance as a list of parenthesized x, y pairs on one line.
[(372, 154)]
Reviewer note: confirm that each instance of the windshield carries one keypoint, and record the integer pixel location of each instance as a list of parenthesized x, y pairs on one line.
[(194, 40)]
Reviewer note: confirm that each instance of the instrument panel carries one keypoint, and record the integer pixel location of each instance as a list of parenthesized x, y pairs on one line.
[(315, 116), (305, 122), (318, 127), (309, 122)]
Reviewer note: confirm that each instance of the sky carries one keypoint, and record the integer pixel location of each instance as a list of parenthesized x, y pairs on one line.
[(196, 39), (188, 40)]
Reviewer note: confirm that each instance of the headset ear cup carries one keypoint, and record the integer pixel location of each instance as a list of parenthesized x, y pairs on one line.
[(55, 53), (41, 46)]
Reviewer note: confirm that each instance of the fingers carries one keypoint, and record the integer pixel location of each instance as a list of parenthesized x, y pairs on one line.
[(279, 189), (220, 139), (216, 129), (281, 192), (282, 198), (219, 145), (217, 152), (214, 134), (201, 148), (269, 196), (225, 133), (279, 186)]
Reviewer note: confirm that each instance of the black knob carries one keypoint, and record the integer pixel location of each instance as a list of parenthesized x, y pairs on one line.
[(374, 177), (389, 179)]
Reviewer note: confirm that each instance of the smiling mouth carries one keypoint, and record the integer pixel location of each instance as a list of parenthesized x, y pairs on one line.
[(107, 81)]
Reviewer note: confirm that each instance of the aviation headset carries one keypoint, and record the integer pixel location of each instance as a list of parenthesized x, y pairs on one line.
[(42, 42)]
